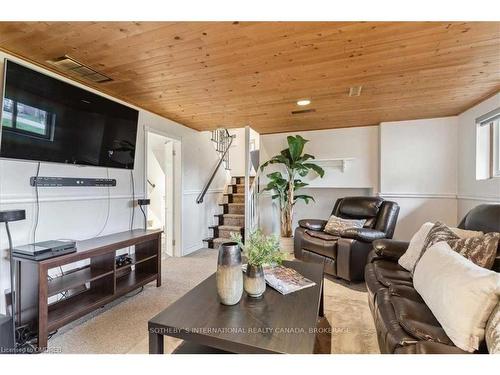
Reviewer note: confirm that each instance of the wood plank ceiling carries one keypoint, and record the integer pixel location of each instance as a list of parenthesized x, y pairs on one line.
[(231, 74)]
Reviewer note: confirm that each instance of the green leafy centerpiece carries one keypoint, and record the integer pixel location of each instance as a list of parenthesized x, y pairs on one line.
[(258, 250)]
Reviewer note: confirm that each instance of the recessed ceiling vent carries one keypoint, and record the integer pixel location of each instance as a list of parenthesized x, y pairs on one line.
[(303, 111), (355, 90), (71, 66)]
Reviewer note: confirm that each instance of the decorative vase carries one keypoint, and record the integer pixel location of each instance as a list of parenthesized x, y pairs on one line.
[(229, 274), (255, 283)]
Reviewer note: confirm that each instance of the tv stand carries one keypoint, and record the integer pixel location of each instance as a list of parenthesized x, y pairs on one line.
[(88, 287)]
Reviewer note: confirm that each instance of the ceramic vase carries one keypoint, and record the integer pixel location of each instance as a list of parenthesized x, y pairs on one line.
[(229, 274), (254, 281)]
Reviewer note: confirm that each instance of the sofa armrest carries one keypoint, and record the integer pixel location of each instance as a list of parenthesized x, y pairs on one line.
[(363, 234), (430, 347), (313, 224), (390, 249)]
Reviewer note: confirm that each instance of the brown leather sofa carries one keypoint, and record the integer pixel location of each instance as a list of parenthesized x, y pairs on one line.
[(403, 321), (345, 257)]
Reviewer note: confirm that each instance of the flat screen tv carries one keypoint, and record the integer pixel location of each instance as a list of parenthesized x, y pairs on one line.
[(46, 119)]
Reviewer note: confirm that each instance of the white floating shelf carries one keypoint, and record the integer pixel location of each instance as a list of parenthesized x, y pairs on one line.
[(342, 163)]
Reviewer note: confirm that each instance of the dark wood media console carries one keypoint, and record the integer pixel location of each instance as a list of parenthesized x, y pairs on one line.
[(87, 287)]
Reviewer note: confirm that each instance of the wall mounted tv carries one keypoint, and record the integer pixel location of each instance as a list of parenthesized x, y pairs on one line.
[(46, 119)]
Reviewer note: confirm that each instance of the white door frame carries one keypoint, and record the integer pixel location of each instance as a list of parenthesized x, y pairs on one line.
[(177, 209)]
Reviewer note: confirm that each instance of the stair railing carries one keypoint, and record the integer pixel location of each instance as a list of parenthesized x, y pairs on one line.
[(223, 141)]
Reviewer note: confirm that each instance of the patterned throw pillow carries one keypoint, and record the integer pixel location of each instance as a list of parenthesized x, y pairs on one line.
[(438, 233), (480, 250), (337, 225), (492, 332)]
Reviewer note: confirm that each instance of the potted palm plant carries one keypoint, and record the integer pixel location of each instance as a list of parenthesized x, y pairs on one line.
[(296, 164), (258, 250)]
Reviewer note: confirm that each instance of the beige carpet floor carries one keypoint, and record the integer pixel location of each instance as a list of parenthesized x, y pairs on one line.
[(121, 326)]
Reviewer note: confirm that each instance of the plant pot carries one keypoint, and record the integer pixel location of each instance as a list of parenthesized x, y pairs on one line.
[(286, 245), (229, 274), (254, 282)]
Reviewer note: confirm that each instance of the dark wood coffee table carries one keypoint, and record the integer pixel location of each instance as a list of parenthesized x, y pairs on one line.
[(273, 324)]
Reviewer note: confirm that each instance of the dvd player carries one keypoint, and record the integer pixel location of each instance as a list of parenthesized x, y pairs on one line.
[(44, 250)]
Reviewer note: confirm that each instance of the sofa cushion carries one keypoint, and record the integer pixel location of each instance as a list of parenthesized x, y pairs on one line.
[(336, 225), (390, 333), (320, 246), (359, 207), (460, 294), (390, 273), (418, 321), (405, 291), (322, 235)]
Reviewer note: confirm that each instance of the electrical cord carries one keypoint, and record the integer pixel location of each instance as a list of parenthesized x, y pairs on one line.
[(37, 202), (144, 214), (108, 209), (133, 199), (133, 204)]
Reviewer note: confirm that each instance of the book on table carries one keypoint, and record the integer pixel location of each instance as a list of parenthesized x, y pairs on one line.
[(283, 279)]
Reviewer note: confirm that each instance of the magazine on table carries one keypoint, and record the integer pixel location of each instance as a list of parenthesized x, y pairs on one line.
[(283, 279)]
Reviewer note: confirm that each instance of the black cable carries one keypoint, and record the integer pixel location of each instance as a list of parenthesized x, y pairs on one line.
[(37, 202), (108, 209), (133, 204), (144, 214), (133, 199)]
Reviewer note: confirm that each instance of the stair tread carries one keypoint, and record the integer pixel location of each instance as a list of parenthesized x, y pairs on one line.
[(239, 194), (229, 227), (233, 215), (233, 204)]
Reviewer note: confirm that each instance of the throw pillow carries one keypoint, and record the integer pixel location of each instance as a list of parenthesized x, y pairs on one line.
[(460, 294), (337, 225), (480, 250), (492, 333), (438, 233), (409, 259)]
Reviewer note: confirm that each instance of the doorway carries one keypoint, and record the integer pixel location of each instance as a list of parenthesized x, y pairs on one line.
[(163, 188)]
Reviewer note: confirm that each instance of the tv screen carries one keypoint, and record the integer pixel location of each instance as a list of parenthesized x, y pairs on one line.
[(46, 119)]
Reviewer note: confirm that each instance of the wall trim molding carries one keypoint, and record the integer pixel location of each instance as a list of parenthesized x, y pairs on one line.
[(483, 198), (418, 195), (20, 199)]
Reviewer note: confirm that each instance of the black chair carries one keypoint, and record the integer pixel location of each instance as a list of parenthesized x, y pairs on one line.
[(345, 257)]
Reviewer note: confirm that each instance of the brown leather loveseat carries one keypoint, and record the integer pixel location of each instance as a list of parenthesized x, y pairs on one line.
[(403, 321), (345, 257)]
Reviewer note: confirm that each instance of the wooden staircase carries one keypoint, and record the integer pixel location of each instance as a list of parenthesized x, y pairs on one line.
[(232, 218)]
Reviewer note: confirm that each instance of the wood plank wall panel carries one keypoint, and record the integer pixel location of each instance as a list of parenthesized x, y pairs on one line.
[(232, 74)]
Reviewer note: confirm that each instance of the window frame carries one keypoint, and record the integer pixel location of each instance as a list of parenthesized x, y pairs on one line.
[(492, 121)]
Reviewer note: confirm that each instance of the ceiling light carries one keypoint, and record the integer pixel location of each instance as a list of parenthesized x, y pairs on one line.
[(303, 102), (355, 90)]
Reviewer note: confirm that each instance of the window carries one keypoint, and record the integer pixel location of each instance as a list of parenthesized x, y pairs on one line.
[(27, 120), (488, 145)]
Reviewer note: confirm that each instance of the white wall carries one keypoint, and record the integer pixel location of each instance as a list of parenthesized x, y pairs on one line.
[(79, 213), (418, 169), (360, 177), (237, 152), (472, 192)]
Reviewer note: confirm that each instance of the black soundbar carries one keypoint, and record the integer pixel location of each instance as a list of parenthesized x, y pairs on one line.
[(71, 181)]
